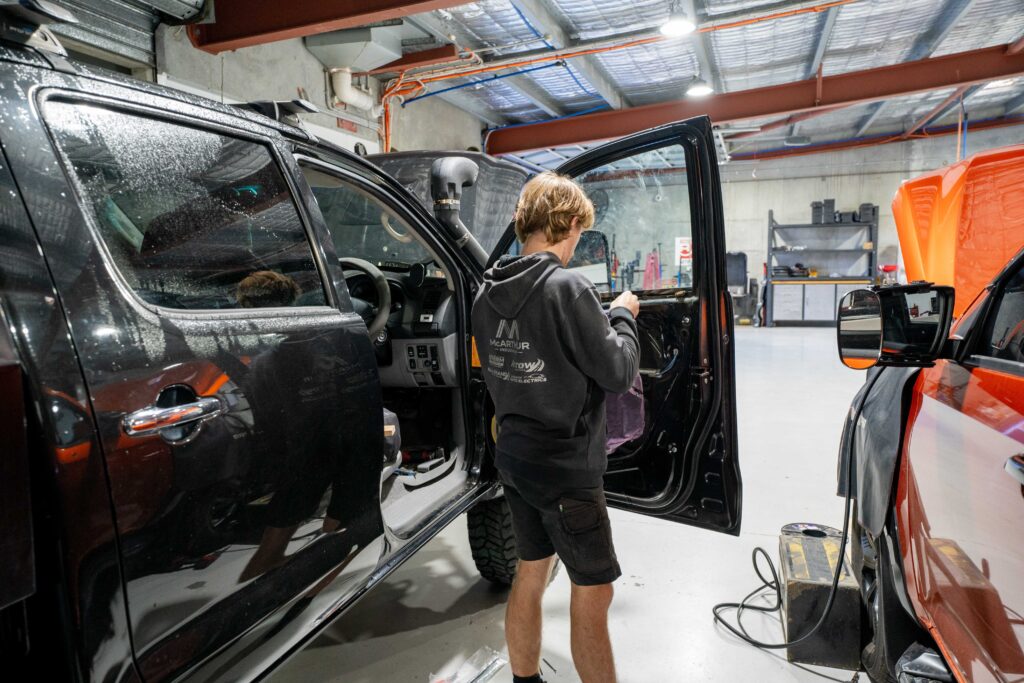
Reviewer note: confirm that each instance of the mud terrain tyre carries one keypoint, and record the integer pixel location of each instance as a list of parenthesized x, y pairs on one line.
[(493, 542)]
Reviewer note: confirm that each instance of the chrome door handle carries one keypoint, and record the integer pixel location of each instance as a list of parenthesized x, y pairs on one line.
[(1015, 468), (153, 420)]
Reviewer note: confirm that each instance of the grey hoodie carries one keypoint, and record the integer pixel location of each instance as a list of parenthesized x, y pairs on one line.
[(549, 353)]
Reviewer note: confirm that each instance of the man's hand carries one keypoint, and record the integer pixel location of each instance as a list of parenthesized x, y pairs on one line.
[(628, 301)]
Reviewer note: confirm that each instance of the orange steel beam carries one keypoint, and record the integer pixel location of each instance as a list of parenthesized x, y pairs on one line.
[(782, 123), (938, 109), (934, 73), (842, 145), (243, 23), (415, 60)]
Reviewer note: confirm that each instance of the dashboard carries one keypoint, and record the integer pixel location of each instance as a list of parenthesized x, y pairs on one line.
[(417, 347)]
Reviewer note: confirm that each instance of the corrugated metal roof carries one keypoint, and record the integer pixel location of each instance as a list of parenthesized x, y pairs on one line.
[(986, 23), (652, 73), (494, 23), (765, 54), (573, 93), (875, 33), (865, 34), (588, 19)]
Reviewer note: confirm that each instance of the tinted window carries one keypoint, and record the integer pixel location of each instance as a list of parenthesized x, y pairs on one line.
[(642, 206), (192, 219), (361, 225), (487, 205), (1004, 335), (642, 239)]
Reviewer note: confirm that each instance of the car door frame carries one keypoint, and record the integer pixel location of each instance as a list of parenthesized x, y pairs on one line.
[(117, 97), (467, 272), (717, 371), (964, 352)]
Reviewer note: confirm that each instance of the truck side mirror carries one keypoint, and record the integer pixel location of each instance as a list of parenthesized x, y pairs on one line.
[(902, 325)]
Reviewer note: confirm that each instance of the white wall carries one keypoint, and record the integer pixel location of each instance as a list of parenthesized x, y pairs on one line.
[(865, 175), (434, 124), (283, 70)]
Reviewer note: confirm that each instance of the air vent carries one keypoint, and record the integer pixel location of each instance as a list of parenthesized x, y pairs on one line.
[(431, 300)]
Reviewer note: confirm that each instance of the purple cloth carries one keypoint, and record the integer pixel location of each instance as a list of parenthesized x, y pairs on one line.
[(625, 413)]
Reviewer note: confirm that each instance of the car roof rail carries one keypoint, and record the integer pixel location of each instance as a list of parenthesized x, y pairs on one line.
[(279, 110), (24, 22)]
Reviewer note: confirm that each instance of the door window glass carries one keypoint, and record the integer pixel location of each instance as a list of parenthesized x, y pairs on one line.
[(642, 238), (1004, 334), (192, 219), (362, 226)]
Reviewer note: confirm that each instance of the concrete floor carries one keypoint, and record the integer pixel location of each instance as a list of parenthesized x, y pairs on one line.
[(435, 611)]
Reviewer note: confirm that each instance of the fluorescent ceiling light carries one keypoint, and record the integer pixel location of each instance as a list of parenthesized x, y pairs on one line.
[(797, 141), (699, 88), (678, 23)]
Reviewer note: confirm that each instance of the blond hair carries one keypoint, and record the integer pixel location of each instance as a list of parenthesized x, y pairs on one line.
[(549, 202)]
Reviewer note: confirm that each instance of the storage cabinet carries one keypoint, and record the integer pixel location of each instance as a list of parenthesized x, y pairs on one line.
[(811, 266), (808, 302)]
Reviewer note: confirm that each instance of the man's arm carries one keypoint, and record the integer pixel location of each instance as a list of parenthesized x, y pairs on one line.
[(605, 348)]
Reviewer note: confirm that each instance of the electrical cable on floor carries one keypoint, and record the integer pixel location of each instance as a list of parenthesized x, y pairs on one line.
[(739, 630)]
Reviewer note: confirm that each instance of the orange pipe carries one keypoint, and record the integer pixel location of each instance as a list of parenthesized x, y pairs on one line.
[(423, 78), (635, 43)]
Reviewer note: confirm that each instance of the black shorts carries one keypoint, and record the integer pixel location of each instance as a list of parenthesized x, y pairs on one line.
[(572, 523)]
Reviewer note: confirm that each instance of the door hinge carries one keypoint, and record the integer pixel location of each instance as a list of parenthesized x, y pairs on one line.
[(701, 379)]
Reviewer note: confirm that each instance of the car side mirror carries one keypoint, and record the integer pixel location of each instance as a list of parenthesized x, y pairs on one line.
[(902, 325)]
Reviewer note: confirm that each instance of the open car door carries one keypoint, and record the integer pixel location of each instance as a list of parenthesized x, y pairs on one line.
[(658, 208)]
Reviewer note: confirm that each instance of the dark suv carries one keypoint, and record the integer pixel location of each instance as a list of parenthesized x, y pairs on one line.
[(210, 321)]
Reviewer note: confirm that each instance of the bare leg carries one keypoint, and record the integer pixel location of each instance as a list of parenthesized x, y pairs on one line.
[(523, 615), (591, 646)]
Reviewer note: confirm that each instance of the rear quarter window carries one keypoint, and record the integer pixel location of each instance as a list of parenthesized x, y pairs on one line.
[(192, 219)]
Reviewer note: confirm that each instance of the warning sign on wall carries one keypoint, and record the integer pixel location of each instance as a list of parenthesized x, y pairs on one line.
[(684, 250)]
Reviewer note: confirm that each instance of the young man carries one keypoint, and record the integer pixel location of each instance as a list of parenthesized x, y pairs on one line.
[(549, 354)]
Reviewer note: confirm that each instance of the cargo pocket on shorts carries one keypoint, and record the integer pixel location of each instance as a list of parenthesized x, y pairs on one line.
[(586, 527)]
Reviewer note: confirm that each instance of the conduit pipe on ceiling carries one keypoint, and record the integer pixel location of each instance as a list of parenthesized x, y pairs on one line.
[(599, 47), (874, 139), (346, 92)]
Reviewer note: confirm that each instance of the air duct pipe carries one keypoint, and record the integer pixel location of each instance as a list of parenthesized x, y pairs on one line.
[(448, 175), (349, 95)]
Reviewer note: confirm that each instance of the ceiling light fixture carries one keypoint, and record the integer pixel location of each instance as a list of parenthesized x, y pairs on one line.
[(699, 88), (679, 24)]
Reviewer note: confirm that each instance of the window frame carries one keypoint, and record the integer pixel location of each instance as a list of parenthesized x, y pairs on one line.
[(623, 148), (269, 141), (435, 246), (977, 335)]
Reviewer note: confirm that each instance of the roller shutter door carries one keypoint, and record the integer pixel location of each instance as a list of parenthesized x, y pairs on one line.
[(123, 29)]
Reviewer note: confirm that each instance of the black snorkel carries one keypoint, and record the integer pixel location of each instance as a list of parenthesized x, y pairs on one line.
[(448, 175)]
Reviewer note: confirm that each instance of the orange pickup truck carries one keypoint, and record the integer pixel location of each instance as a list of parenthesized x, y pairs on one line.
[(935, 440)]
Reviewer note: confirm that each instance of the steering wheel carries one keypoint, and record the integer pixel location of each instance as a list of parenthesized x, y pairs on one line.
[(376, 322)]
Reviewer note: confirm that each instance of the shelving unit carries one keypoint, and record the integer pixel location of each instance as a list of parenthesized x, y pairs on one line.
[(843, 255)]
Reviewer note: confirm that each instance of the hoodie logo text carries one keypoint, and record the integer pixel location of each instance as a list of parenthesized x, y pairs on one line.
[(507, 337), (510, 358), (509, 329)]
